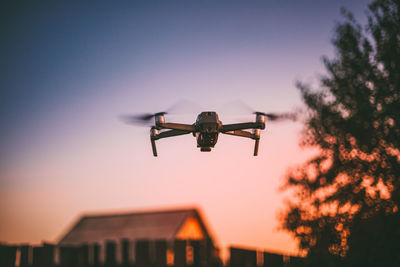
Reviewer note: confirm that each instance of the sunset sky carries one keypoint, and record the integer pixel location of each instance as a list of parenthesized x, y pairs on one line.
[(69, 70)]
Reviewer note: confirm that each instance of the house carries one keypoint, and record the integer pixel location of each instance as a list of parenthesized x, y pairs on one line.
[(169, 225)]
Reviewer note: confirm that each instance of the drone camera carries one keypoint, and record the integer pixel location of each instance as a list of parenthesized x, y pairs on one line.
[(205, 149), (206, 140)]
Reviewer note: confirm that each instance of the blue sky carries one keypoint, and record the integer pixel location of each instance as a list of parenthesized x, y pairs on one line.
[(57, 55)]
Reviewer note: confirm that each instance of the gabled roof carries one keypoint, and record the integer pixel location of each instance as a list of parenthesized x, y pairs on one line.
[(138, 225)]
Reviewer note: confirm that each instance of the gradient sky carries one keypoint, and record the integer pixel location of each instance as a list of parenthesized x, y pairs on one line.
[(68, 70)]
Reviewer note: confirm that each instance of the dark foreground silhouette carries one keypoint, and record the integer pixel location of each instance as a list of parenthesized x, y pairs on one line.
[(144, 253)]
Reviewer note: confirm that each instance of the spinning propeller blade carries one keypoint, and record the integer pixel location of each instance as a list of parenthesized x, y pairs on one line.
[(146, 118), (140, 119), (241, 107), (279, 116)]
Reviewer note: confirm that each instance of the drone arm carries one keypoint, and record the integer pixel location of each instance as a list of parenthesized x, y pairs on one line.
[(169, 133), (241, 126), (241, 133), (176, 126), (255, 136), (155, 136)]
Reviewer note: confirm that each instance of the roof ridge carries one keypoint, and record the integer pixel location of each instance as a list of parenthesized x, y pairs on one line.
[(130, 213)]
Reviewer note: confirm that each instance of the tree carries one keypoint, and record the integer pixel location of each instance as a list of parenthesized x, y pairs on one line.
[(345, 207)]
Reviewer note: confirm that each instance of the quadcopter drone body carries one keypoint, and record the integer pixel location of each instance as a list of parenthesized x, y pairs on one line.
[(206, 130), (207, 127)]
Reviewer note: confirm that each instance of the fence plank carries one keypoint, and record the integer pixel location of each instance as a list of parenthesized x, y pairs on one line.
[(160, 253), (111, 253), (243, 257), (96, 254), (24, 256), (68, 256), (251, 258), (43, 256), (273, 260), (125, 247), (142, 253), (83, 255), (145, 255), (180, 253), (236, 257), (8, 255)]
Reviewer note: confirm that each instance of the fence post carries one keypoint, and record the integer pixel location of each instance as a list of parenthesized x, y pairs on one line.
[(243, 257), (49, 254), (43, 256), (111, 254), (125, 248), (96, 254), (235, 257), (68, 256), (37, 256), (83, 255), (251, 258), (24, 257), (142, 253), (160, 253), (273, 260), (180, 253), (8, 255)]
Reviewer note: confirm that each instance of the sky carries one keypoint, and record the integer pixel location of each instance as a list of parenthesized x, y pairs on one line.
[(69, 70)]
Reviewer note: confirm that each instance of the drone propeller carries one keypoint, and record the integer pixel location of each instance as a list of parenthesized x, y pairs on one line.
[(145, 118), (240, 106), (278, 116), (140, 119)]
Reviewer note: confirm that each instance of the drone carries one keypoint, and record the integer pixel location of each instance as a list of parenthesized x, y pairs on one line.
[(206, 128)]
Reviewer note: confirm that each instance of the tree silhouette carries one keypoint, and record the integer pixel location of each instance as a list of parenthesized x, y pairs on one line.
[(345, 209)]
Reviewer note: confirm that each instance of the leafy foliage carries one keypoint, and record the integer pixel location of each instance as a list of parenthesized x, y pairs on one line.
[(346, 202)]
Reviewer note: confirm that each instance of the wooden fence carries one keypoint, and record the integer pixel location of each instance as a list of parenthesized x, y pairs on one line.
[(141, 253), (240, 257)]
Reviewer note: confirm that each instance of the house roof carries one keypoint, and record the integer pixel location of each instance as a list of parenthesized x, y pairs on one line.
[(137, 225)]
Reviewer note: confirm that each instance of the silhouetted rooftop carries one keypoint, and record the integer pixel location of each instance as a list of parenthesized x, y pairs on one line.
[(137, 225)]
